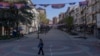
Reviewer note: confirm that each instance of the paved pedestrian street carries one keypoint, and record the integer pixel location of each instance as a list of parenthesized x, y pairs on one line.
[(56, 43)]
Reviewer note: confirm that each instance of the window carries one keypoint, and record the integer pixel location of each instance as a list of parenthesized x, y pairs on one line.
[(94, 17)]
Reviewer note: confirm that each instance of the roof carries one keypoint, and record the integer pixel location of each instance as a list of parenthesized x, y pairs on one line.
[(40, 8)]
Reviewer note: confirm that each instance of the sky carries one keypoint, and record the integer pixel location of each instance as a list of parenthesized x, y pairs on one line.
[(54, 12)]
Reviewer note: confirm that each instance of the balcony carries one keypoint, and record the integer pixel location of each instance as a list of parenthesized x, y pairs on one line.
[(90, 21), (97, 1), (93, 2)]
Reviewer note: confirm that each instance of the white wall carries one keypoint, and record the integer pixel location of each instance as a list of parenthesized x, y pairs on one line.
[(35, 21)]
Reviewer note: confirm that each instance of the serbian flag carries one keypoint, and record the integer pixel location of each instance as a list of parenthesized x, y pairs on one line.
[(83, 3), (1, 5), (44, 5), (4, 5), (58, 6), (19, 5)]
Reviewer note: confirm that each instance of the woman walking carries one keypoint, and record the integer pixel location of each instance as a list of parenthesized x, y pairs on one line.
[(40, 46)]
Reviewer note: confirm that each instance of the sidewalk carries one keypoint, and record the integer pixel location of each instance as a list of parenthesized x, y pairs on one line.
[(56, 43), (15, 38), (88, 37)]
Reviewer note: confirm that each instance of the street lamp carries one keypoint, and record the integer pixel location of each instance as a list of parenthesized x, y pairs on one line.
[(85, 27), (38, 28), (84, 24), (38, 33)]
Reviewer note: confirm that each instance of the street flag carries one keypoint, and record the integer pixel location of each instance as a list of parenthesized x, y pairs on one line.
[(19, 5), (73, 3), (44, 5), (35, 5), (57, 6), (4, 5), (1, 5), (83, 3)]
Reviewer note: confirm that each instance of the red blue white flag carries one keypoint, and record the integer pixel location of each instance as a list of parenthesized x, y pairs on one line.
[(19, 5), (44, 5), (4, 5), (83, 3), (57, 6)]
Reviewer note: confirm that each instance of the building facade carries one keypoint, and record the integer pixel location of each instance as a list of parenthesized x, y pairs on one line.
[(55, 20), (42, 13), (61, 16), (94, 16), (76, 17), (86, 17), (25, 27)]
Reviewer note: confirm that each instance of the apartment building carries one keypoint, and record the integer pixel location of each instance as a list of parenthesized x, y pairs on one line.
[(35, 21), (42, 12), (29, 28), (61, 16), (26, 27), (86, 16), (55, 20), (76, 18), (93, 15)]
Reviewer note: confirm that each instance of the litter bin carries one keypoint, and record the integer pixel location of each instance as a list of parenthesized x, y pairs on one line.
[(98, 33)]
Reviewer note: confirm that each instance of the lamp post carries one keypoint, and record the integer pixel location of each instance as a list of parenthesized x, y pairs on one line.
[(85, 26), (38, 36), (85, 23), (38, 32)]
